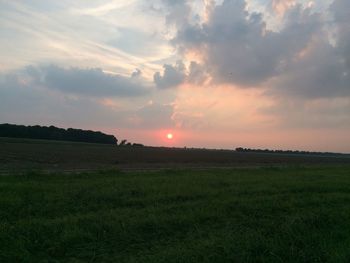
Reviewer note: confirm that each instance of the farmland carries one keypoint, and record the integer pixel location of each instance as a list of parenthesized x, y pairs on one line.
[(75, 202), (24, 154)]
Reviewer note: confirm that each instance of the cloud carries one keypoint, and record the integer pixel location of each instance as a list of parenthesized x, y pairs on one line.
[(236, 47), (322, 68), (317, 113), (172, 76), (341, 14), (152, 116), (27, 98), (104, 8), (178, 12), (281, 6), (88, 82), (115, 39), (321, 72), (175, 75), (23, 101), (197, 73), (136, 74)]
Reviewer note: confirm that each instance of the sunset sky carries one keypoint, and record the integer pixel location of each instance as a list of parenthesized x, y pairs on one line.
[(217, 74)]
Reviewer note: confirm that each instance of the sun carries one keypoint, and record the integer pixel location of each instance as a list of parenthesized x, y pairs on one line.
[(169, 136)]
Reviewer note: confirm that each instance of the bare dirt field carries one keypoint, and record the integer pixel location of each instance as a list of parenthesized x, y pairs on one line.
[(24, 154)]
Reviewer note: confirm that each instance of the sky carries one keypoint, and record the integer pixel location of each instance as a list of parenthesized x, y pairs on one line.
[(215, 73)]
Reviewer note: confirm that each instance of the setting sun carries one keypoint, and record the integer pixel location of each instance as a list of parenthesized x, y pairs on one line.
[(169, 136)]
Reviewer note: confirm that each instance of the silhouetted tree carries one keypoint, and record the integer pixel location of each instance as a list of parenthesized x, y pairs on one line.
[(241, 149), (54, 133), (123, 142)]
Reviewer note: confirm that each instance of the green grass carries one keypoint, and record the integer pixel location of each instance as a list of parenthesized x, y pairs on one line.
[(238, 215)]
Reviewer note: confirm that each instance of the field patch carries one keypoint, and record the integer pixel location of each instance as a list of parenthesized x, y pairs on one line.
[(25, 154), (278, 214)]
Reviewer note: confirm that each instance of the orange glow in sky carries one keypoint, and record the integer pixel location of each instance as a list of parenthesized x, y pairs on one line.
[(148, 82)]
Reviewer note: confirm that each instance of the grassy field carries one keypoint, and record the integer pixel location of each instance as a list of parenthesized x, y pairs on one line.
[(79, 202), (276, 214)]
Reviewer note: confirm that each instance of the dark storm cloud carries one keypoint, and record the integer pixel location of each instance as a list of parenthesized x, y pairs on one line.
[(298, 59)]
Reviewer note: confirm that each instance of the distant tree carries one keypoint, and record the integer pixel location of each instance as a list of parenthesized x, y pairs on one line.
[(241, 149), (54, 133), (123, 142)]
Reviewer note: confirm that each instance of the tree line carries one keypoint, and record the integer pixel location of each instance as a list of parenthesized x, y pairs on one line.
[(54, 133), (241, 149)]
